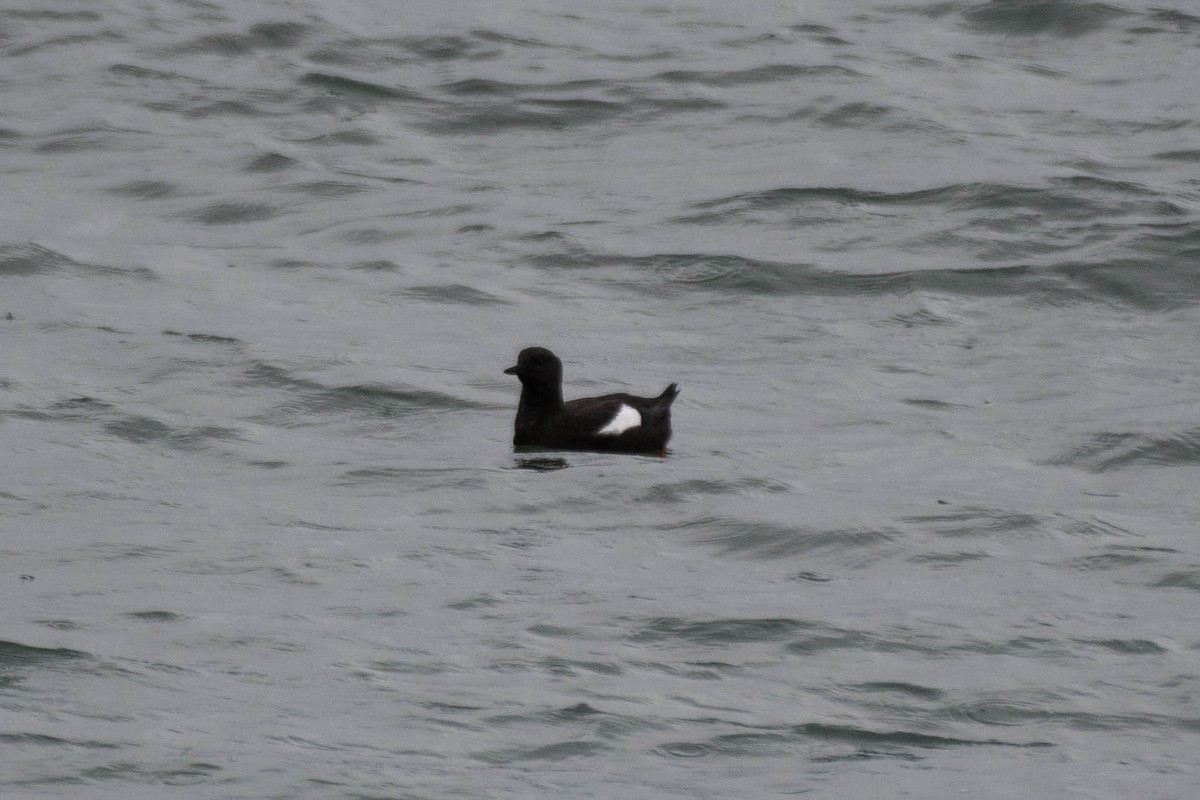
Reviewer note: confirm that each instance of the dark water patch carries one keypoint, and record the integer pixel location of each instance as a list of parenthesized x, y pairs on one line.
[(807, 576), (581, 712), (742, 745), (898, 738), (125, 772), (735, 206), (1091, 527), (454, 293), (667, 272), (1177, 241), (30, 259), (931, 404), (1160, 285), (15, 654), (59, 624), (311, 399), (475, 602), (352, 136), (256, 106), (146, 430), (977, 521), (344, 85), (1188, 578), (1176, 21), (56, 15), (450, 47), (567, 666), (555, 631), (908, 690), (535, 114), (551, 752), (140, 429), (718, 632), (1189, 156), (1046, 709), (75, 409), (233, 213), (156, 616), (485, 87), (767, 73), (502, 37), (67, 42), (692, 670), (1121, 557), (683, 750), (263, 36), (270, 162), (769, 541), (205, 338), (78, 141), (819, 639), (831, 740), (921, 318), (1068, 199), (495, 106), (944, 560), (686, 491), (327, 188), (1105, 452), (1125, 647), (380, 265), (387, 400), (1061, 18), (144, 190), (370, 236), (856, 115), (1009, 709), (146, 73), (376, 265), (44, 740)]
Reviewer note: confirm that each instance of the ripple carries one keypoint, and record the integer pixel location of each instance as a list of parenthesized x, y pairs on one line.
[(1105, 452), (976, 521), (898, 738), (766, 73), (1061, 18), (454, 293), (769, 541), (558, 751), (29, 259), (234, 213), (684, 750), (144, 190), (15, 654), (719, 631), (344, 85), (262, 36)]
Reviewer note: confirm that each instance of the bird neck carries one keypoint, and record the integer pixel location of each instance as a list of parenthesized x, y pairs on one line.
[(541, 399)]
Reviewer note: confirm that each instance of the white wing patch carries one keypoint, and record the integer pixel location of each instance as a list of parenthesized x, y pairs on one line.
[(627, 417)]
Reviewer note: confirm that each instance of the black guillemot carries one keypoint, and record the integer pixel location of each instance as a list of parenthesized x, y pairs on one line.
[(618, 423)]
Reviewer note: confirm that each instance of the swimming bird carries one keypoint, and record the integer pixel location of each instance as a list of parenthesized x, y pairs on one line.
[(619, 423)]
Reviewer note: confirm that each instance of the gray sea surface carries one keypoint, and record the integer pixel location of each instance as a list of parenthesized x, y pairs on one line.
[(927, 273)]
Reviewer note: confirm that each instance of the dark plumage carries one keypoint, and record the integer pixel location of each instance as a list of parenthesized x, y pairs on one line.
[(621, 423)]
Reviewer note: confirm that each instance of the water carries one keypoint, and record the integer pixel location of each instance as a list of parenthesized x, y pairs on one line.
[(926, 273)]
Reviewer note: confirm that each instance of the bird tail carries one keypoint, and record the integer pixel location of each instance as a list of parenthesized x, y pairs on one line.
[(661, 408)]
